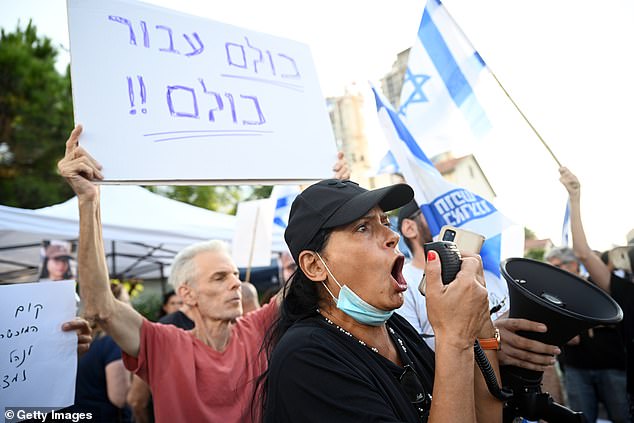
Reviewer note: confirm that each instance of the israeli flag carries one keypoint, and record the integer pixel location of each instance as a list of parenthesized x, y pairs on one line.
[(565, 230), (444, 203), (283, 195), (440, 94), (388, 164)]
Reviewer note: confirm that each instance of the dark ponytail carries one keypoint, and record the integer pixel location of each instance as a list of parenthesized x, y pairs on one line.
[(300, 300)]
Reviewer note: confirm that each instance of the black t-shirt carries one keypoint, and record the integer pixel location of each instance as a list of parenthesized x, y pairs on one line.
[(622, 291), (319, 374), (178, 319), (91, 393), (600, 348)]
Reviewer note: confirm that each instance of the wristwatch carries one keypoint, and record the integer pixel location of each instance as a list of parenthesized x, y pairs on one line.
[(491, 343)]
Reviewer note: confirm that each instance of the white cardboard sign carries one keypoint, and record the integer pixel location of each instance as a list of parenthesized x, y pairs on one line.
[(253, 236), (38, 361), (166, 97)]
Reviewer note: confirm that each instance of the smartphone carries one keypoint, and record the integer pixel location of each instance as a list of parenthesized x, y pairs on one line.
[(467, 241)]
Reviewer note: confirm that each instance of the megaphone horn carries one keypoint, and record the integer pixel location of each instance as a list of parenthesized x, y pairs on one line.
[(567, 305)]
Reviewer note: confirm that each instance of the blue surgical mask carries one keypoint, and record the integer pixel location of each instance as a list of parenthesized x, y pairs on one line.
[(354, 306)]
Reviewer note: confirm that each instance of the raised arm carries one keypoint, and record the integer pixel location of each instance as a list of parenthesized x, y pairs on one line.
[(341, 168), (120, 320), (599, 271), (455, 333)]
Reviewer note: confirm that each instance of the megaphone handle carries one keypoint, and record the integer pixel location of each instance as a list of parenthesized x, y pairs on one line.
[(489, 374)]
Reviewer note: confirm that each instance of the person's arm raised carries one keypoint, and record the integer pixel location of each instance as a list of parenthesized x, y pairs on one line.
[(120, 320), (341, 167), (599, 271)]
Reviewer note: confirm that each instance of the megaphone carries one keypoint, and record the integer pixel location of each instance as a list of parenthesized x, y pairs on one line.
[(567, 305)]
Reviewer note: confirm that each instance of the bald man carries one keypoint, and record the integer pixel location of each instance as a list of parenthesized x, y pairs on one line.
[(249, 297)]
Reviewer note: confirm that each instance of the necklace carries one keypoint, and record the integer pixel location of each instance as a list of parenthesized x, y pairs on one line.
[(342, 330), (398, 339)]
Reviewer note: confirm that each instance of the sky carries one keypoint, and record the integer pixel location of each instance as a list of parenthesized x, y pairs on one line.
[(567, 64)]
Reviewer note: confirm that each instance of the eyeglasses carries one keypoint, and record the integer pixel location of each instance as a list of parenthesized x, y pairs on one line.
[(416, 393)]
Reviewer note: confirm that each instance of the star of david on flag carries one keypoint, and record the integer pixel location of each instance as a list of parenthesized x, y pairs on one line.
[(440, 94), (417, 95)]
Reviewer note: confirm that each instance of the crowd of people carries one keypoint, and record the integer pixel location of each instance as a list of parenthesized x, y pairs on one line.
[(349, 337)]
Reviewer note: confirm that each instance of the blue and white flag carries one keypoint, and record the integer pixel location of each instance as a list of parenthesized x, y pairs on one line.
[(440, 94), (442, 202), (388, 164), (565, 229), (283, 195)]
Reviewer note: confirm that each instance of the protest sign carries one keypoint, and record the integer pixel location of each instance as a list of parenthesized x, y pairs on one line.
[(170, 98), (253, 236), (38, 361)]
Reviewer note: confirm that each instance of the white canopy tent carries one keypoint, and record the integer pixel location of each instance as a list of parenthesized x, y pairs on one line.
[(142, 232)]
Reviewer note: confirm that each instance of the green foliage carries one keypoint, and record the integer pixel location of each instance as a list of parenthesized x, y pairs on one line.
[(35, 119), (220, 198), (148, 304), (262, 191), (528, 234), (535, 254)]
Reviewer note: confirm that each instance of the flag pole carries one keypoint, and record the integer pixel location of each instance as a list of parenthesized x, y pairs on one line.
[(247, 277), (504, 90), (524, 116)]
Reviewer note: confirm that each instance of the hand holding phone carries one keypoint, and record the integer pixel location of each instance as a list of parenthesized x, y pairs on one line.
[(452, 241)]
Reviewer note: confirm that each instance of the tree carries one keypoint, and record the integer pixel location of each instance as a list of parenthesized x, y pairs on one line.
[(35, 119), (535, 254), (220, 198)]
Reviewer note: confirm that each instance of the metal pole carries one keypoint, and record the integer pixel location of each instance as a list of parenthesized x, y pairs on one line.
[(162, 279), (247, 277), (113, 260)]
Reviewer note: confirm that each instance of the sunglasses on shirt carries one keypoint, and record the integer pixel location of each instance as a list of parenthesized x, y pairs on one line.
[(416, 393)]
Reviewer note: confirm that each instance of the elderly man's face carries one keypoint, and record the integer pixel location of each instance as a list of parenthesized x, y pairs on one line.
[(571, 266), (364, 256), (217, 291)]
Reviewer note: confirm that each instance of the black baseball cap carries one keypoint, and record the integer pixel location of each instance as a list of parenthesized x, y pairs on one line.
[(406, 212), (335, 202)]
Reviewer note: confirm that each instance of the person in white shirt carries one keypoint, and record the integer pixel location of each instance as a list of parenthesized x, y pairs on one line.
[(413, 226)]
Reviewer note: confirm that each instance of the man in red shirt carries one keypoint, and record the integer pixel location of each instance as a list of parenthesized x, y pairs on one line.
[(207, 374)]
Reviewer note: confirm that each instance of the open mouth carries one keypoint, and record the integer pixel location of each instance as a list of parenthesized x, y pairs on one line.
[(397, 274)]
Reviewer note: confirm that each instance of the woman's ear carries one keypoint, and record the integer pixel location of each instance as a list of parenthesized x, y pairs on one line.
[(312, 267)]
